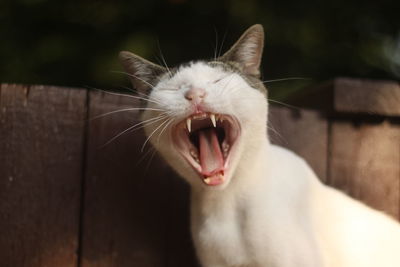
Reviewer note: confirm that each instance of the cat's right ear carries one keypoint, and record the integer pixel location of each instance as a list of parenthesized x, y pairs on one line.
[(247, 51), (142, 73)]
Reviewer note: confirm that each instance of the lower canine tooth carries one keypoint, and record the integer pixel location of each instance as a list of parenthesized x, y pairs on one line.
[(207, 180)]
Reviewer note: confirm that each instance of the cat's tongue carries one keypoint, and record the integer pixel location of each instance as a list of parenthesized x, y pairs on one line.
[(211, 159)]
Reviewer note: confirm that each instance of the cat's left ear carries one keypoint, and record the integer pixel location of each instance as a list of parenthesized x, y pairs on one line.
[(142, 73), (247, 51)]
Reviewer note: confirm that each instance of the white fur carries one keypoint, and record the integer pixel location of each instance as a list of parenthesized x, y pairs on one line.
[(272, 211)]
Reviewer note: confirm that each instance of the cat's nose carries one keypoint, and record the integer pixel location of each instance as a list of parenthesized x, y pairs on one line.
[(195, 94)]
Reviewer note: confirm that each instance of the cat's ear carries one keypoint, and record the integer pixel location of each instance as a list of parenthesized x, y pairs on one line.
[(247, 51), (142, 73)]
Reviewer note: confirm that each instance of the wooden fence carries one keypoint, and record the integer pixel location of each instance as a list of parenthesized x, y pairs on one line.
[(66, 200)]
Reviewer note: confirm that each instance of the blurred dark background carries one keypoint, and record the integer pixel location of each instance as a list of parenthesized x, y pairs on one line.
[(75, 43)]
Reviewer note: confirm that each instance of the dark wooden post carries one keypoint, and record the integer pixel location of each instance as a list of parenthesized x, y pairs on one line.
[(136, 210), (363, 139), (302, 131), (41, 157), (364, 158), (132, 210)]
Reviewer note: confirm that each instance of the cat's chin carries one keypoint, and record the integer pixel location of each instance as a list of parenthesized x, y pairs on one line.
[(207, 142)]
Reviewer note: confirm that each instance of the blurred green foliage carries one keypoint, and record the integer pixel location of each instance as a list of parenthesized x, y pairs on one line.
[(75, 43)]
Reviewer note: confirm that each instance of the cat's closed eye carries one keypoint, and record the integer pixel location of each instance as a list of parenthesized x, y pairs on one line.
[(218, 80)]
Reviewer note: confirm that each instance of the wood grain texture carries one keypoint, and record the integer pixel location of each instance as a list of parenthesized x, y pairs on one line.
[(129, 213), (135, 209), (180, 250), (41, 144), (365, 163), (367, 96), (302, 131)]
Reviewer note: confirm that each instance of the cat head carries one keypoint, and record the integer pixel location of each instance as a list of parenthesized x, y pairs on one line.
[(206, 118)]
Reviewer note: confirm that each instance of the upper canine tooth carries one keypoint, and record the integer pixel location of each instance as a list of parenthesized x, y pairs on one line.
[(189, 124), (212, 117)]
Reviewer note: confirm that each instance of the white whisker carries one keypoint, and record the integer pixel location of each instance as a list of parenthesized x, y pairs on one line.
[(216, 44), (125, 95), (145, 97), (222, 91), (163, 129), (134, 127), (145, 155), (129, 89), (283, 104), (269, 126), (123, 110), (134, 76), (222, 44), (133, 91), (153, 153), (163, 59), (286, 79), (148, 138)]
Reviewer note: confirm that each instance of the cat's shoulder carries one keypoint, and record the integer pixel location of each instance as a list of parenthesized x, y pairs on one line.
[(285, 162), (280, 153)]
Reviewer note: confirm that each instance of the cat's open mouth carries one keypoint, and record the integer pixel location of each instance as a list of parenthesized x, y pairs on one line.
[(206, 140)]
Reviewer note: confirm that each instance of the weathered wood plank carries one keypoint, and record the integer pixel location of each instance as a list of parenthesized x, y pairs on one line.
[(303, 131), (367, 96), (365, 163), (180, 250), (136, 215), (128, 194), (41, 144)]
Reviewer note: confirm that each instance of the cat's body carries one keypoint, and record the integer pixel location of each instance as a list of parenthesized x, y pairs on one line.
[(252, 204), (275, 220)]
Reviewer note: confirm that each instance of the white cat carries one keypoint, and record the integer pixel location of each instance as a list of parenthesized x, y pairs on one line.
[(252, 203)]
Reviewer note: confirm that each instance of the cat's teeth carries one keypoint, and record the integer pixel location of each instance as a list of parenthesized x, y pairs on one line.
[(212, 117), (199, 116), (225, 147), (189, 124), (194, 154), (207, 180)]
